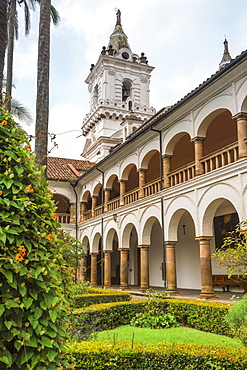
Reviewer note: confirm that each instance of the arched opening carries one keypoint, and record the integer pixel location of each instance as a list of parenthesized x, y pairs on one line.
[(153, 169), (152, 236), (115, 189), (183, 153), (187, 254), (221, 132), (86, 264), (113, 245), (95, 95), (133, 178), (130, 240), (126, 90), (63, 208)]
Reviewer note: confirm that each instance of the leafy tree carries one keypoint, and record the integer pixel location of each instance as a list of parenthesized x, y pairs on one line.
[(34, 278), (233, 253)]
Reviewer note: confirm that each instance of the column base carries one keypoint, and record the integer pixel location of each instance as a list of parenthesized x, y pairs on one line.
[(143, 289), (93, 285), (204, 295), (124, 288), (107, 286), (173, 292)]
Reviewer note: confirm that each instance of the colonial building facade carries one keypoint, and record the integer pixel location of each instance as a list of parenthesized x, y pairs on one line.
[(154, 207)]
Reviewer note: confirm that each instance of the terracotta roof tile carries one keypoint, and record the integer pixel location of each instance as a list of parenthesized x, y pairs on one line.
[(65, 169)]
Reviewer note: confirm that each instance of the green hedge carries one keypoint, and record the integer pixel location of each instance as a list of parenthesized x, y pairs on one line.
[(205, 316), (96, 296), (105, 355)]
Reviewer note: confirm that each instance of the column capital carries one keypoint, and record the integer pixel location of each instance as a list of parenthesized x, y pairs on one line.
[(198, 138), (200, 238), (107, 251), (142, 169), (168, 156), (171, 243), (93, 253), (240, 115), (144, 246)]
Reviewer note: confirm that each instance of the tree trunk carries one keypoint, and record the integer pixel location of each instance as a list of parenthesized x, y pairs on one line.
[(10, 55), (3, 41), (42, 99)]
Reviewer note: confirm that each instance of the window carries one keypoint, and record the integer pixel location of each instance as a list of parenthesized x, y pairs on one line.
[(126, 90)]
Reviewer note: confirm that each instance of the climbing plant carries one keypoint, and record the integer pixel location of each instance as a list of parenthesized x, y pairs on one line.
[(34, 279)]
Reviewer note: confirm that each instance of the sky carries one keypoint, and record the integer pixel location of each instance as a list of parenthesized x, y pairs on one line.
[(182, 39)]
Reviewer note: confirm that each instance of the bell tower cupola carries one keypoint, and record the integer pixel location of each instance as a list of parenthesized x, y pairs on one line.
[(119, 86)]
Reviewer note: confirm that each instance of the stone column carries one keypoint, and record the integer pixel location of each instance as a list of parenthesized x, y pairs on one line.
[(94, 203), (144, 266), (72, 213), (206, 268), (122, 188), (198, 145), (166, 171), (142, 182), (83, 206), (81, 273), (93, 276), (107, 269), (107, 198), (242, 134), (171, 275), (124, 269)]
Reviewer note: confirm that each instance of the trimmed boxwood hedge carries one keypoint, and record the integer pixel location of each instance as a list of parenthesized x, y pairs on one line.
[(91, 355), (207, 316), (96, 296)]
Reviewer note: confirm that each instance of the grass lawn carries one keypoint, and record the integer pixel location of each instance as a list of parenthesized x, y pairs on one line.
[(179, 334)]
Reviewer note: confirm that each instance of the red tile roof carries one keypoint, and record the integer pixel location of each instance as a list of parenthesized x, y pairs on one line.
[(65, 169)]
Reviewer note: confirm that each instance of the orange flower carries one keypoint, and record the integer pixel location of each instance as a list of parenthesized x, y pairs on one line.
[(30, 189), (54, 217), (1, 192), (61, 368), (49, 237), (4, 122), (67, 308), (22, 250), (29, 147), (19, 257)]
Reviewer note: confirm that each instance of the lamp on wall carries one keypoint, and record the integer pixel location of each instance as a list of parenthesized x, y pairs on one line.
[(184, 226), (115, 217)]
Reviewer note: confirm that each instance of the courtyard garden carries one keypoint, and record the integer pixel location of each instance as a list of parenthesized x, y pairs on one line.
[(48, 321)]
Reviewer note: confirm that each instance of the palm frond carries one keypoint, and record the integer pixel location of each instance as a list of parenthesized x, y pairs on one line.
[(20, 112)]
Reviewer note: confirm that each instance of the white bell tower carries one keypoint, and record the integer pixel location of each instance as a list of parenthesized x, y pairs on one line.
[(119, 90)]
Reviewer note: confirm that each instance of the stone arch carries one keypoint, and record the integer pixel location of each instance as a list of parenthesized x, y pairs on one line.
[(175, 134), (211, 200), (95, 243), (173, 214)]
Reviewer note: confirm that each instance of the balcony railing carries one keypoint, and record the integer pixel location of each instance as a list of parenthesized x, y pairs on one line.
[(220, 158), (113, 204), (98, 211), (182, 174), (217, 159), (151, 187), (131, 196), (63, 218)]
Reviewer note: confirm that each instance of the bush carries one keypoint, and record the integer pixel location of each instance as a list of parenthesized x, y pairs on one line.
[(205, 316), (33, 274), (237, 319), (153, 321), (126, 356), (94, 297)]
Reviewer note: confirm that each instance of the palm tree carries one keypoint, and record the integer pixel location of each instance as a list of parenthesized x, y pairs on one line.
[(3, 39), (13, 34), (42, 98)]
